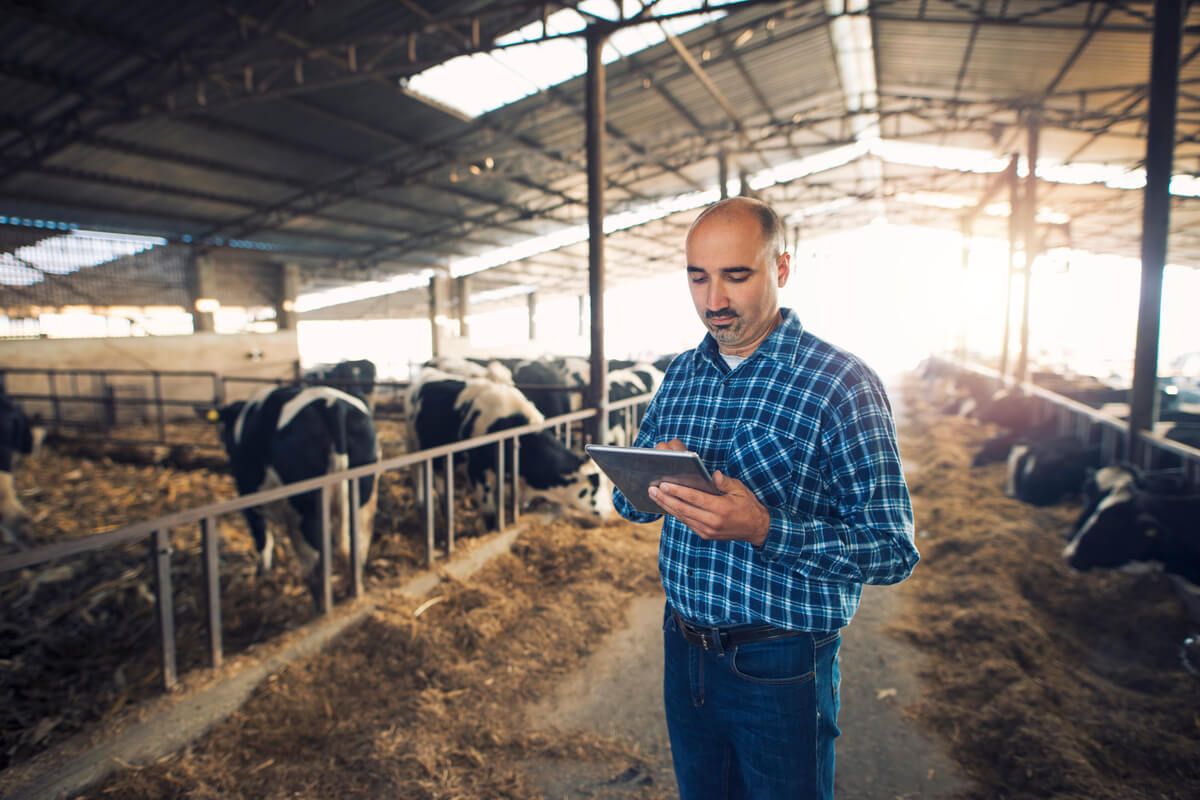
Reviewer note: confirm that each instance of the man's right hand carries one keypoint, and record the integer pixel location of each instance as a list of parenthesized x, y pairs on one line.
[(674, 444)]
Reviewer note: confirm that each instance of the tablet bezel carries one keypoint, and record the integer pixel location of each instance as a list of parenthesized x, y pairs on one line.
[(635, 469)]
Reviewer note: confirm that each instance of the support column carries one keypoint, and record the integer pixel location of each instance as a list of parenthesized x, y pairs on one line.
[(439, 301), (966, 234), (202, 292), (723, 173), (1029, 234), (463, 287), (532, 301), (286, 316), (1014, 204), (1156, 209), (595, 107)]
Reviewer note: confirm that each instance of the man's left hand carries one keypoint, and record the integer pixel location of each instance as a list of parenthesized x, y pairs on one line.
[(736, 515)]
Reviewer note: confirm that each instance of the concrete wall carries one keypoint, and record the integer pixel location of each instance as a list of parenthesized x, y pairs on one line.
[(254, 355)]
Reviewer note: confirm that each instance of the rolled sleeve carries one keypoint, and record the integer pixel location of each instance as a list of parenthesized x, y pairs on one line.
[(870, 540)]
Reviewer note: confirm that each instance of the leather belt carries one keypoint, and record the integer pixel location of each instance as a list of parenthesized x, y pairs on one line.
[(721, 639)]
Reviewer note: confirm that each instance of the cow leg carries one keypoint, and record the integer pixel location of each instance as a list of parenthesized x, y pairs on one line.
[(11, 510), (366, 519), (303, 536), (264, 540)]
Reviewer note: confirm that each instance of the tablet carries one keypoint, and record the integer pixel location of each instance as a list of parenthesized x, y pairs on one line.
[(636, 469)]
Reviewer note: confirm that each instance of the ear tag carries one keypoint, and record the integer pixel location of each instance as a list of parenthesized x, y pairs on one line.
[(1151, 532), (212, 415)]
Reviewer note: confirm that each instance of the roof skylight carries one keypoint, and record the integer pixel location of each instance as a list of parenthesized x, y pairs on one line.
[(70, 252), (528, 60)]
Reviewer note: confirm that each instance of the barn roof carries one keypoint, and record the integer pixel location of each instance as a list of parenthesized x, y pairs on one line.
[(286, 130)]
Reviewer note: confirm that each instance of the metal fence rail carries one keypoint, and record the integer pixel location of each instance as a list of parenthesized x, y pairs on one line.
[(1092, 426)]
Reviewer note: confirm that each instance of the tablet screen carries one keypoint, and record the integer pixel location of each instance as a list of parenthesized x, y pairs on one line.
[(635, 469)]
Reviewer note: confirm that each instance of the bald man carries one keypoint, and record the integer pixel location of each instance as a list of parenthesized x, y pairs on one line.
[(759, 580)]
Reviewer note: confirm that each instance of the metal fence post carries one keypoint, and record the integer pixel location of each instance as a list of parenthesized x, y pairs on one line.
[(449, 502), (212, 589), (356, 563), (325, 597), (160, 553), (427, 477), (516, 479), (500, 485)]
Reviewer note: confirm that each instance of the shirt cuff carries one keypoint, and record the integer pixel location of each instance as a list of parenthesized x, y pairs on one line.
[(785, 538)]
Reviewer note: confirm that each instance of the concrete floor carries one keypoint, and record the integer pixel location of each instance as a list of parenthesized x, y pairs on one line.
[(881, 755)]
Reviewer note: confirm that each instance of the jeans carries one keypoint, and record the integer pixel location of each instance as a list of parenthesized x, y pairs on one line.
[(757, 721)]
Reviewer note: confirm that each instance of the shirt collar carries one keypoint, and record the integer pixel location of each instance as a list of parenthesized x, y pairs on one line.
[(781, 345)]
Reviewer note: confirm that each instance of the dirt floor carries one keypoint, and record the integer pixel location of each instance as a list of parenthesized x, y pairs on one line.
[(1039, 682)]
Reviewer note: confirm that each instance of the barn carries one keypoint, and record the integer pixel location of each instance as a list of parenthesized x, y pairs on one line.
[(310, 308)]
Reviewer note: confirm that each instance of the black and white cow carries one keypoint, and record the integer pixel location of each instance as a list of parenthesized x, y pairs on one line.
[(1140, 531), (352, 377), (544, 385), (1042, 473), (1100, 483), (641, 378), (292, 433), (445, 408), (17, 435)]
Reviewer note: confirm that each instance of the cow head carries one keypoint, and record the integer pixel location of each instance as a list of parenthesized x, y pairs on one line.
[(226, 416), (1120, 531)]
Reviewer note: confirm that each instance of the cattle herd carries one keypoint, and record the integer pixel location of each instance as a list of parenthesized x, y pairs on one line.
[(325, 424), (1131, 519)]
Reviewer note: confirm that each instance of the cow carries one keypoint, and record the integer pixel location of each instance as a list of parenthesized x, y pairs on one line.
[(287, 434), (641, 378), (1100, 483), (1007, 408), (1140, 531), (544, 385), (1042, 473), (445, 408), (493, 369), (17, 435), (352, 377)]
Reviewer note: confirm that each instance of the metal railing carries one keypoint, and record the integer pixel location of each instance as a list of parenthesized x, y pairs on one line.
[(1092, 426), (157, 531)]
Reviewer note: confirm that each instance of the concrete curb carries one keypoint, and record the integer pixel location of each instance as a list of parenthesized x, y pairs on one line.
[(188, 717)]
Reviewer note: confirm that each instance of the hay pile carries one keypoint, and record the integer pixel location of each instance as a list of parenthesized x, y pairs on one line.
[(429, 706), (78, 637), (1047, 683)]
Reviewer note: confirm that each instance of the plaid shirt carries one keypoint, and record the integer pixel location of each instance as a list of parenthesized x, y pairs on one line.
[(808, 428)]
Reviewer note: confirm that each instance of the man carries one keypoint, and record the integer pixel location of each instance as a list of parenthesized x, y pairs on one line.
[(799, 436)]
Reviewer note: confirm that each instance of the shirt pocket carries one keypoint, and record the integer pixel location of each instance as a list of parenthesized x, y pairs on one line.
[(766, 461)]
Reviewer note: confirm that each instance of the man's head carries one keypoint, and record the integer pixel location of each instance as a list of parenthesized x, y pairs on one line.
[(736, 265)]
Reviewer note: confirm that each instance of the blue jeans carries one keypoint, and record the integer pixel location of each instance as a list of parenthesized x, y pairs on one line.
[(757, 721)]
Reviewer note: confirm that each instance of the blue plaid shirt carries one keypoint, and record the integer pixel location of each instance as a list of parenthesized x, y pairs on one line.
[(808, 428)]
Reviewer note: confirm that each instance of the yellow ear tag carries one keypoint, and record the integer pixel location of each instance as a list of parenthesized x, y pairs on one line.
[(212, 415), (1151, 531)]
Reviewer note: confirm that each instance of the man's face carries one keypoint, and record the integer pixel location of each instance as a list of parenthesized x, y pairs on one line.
[(734, 280)]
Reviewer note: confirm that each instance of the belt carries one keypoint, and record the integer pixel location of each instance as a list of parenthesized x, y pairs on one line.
[(721, 639)]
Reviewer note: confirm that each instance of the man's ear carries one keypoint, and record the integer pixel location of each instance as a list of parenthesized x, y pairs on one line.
[(784, 265)]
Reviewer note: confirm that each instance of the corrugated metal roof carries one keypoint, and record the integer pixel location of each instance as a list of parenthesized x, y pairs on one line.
[(287, 125)]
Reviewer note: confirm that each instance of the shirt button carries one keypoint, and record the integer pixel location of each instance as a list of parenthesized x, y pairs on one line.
[(690, 573)]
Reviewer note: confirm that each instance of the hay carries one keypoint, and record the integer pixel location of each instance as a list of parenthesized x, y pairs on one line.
[(1046, 683)]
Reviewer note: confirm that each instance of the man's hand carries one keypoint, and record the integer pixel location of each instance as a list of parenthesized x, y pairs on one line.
[(736, 515)]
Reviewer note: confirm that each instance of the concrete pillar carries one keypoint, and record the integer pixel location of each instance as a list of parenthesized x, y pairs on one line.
[(202, 291), (439, 304), (532, 300), (464, 306), (286, 315)]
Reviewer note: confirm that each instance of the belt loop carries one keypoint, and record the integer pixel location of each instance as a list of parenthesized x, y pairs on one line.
[(718, 645)]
